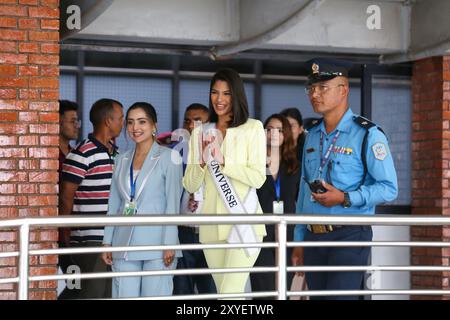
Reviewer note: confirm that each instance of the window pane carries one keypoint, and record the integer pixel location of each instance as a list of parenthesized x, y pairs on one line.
[(391, 110), (192, 91), (276, 97), (68, 87), (128, 90)]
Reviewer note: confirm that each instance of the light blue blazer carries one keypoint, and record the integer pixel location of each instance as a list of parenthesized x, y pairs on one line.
[(158, 191)]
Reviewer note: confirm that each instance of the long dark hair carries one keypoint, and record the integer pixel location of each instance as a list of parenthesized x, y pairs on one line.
[(238, 97), (288, 150), (295, 114)]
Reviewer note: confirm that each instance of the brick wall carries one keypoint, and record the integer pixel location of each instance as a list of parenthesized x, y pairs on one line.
[(29, 58), (431, 166)]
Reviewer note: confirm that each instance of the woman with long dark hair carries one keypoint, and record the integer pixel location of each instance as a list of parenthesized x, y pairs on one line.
[(278, 194), (294, 116), (226, 164)]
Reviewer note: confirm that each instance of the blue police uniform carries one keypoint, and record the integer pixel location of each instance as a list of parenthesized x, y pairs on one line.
[(366, 187)]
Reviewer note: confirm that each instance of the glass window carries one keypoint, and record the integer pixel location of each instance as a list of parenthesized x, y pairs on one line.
[(128, 90), (354, 99), (68, 87), (391, 110), (278, 96), (192, 91)]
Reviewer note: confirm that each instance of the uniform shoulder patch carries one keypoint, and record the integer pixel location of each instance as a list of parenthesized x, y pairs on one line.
[(363, 122), (379, 151)]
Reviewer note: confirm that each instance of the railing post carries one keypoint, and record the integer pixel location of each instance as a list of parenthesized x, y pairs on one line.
[(23, 261), (281, 259)]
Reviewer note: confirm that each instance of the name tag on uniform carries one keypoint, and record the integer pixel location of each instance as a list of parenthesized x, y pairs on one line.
[(278, 207), (130, 209)]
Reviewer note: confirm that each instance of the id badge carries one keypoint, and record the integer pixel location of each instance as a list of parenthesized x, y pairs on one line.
[(278, 207), (130, 209)]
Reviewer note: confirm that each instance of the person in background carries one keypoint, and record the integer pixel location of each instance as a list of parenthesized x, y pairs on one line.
[(147, 181), (69, 129), (294, 116), (86, 181), (165, 139), (277, 195), (347, 169), (227, 158), (195, 114)]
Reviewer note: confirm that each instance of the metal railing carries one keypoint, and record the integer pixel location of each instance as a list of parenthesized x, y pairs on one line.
[(281, 268)]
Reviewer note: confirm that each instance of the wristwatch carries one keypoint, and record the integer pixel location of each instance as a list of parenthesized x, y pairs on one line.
[(347, 203)]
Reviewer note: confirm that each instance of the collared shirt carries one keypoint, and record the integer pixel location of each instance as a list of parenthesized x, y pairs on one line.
[(345, 169), (89, 165)]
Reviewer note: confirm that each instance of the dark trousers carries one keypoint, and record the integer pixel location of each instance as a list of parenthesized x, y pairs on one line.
[(266, 281), (340, 256), (185, 284), (89, 288)]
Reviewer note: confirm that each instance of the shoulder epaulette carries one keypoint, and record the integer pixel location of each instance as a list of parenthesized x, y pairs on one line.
[(366, 123), (316, 122), (363, 122)]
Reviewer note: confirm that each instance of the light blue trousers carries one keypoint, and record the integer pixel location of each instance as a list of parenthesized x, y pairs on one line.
[(134, 287)]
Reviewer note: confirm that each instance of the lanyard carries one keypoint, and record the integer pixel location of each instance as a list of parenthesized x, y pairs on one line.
[(277, 187), (324, 159), (132, 184)]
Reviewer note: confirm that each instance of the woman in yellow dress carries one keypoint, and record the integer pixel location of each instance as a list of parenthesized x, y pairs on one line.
[(226, 164)]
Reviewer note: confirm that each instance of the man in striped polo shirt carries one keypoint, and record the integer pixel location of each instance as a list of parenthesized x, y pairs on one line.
[(86, 180)]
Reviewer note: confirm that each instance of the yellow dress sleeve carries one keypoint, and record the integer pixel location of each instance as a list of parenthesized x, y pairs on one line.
[(252, 145)]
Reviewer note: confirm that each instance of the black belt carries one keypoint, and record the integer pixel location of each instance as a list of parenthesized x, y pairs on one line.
[(323, 228)]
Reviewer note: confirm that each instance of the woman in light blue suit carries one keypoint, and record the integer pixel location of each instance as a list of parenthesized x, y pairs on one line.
[(146, 180)]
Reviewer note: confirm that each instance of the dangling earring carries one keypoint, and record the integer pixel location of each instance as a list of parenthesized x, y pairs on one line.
[(154, 133)]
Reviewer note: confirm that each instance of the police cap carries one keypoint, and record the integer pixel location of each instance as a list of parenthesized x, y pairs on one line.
[(326, 69)]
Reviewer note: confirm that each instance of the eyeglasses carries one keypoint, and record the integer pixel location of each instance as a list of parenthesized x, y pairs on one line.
[(320, 89)]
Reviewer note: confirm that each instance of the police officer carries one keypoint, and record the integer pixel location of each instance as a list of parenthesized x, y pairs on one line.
[(347, 169)]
